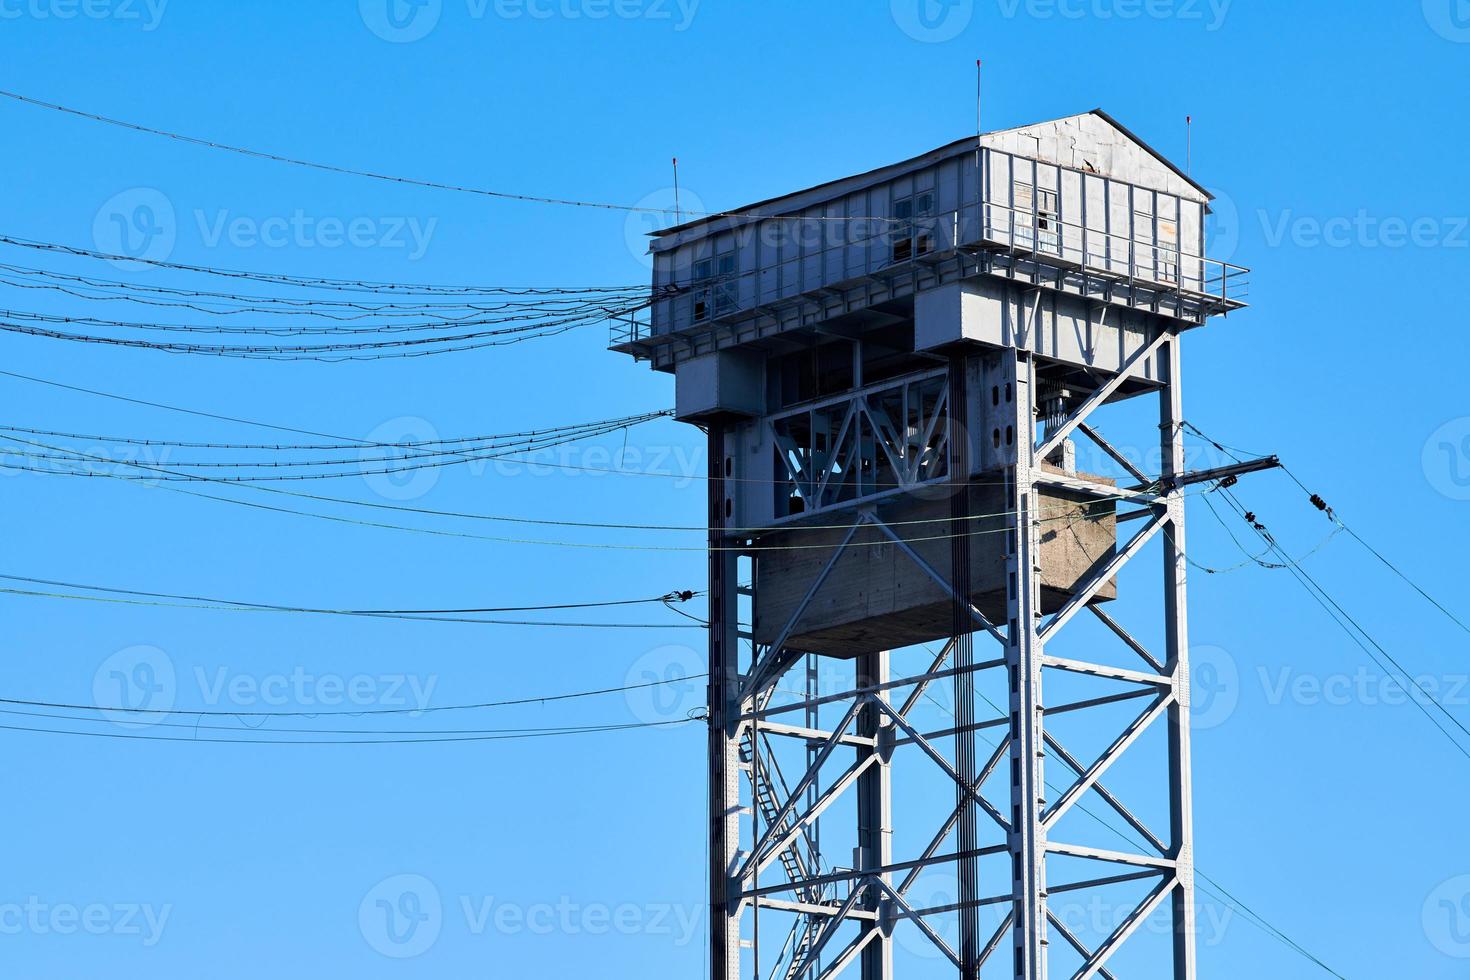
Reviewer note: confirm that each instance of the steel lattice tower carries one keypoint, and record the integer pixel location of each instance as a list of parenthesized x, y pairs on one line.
[(893, 405)]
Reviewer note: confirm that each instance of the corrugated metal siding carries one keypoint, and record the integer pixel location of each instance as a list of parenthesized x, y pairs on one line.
[(1084, 218)]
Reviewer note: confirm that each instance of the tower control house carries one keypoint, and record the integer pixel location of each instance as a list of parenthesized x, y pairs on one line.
[(894, 369)]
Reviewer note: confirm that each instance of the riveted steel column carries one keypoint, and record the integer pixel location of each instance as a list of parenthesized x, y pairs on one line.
[(1024, 670), (724, 722), (875, 812), (1176, 628)]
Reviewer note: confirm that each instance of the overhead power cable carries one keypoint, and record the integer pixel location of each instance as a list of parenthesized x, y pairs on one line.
[(516, 318), (1072, 515), (437, 459), (435, 739), (326, 284), (411, 181), (142, 597), (551, 464), (355, 712), (425, 511), (198, 725), (1354, 629), (476, 297), (343, 351), (556, 624), (428, 447), (1320, 504)]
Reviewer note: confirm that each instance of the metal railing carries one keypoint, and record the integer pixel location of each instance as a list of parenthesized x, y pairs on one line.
[(1156, 266), (627, 328), (1149, 263)]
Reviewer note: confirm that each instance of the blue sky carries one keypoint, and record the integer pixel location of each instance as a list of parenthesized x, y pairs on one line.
[(1329, 133)]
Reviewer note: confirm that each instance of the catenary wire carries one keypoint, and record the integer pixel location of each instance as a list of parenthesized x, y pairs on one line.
[(1353, 629), (280, 279), (173, 600), (461, 534), (356, 712), (344, 741), (352, 172), (695, 477), (1336, 519), (529, 732)]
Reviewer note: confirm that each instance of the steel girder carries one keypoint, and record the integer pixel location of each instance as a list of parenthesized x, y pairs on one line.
[(873, 895)]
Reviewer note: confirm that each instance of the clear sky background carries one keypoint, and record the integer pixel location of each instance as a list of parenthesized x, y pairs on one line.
[(1333, 135)]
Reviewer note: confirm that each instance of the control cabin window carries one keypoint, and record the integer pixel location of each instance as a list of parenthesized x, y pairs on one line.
[(1048, 226), (1144, 253), (912, 234), (1037, 212), (715, 286), (1168, 265), (815, 373)]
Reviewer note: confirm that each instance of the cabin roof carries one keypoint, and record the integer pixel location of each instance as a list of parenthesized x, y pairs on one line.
[(797, 200)]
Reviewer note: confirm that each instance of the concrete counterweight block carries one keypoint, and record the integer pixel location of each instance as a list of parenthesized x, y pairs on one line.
[(877, 597)]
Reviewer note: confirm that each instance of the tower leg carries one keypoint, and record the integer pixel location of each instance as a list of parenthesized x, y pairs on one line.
[(1181, 793), (875, 812), (967, 836), (724, 726), (1024, 671)]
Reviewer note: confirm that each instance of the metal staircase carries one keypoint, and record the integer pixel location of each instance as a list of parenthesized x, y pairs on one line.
[(804, 931)]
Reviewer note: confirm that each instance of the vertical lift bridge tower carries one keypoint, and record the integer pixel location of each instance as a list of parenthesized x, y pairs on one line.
[(896, 371)]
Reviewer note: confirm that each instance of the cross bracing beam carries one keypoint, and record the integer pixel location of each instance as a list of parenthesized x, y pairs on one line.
[(1074, 942), (1133, 821), (842, 917), (1105, 761), (850, 875)]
